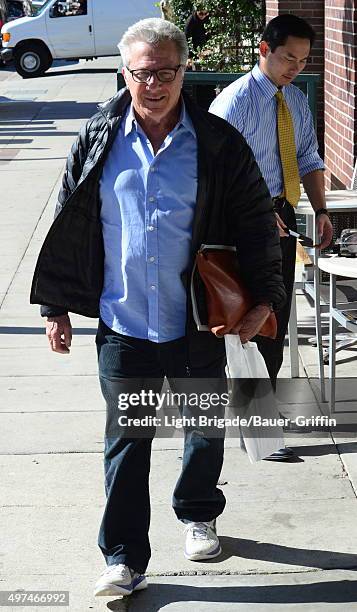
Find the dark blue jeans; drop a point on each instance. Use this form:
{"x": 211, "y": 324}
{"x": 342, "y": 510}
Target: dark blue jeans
{"x": 130, "y": 365}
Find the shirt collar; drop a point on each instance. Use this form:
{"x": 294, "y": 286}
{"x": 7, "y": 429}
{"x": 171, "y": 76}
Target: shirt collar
{"x": 185, "y": 119}
{"x": 130, "y": 122}
{"x": 266, "y": 86}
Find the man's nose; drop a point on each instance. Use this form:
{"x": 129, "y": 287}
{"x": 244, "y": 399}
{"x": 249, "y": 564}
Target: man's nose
{"x": 152, "y": 80}
{"x": 299, "y": 65}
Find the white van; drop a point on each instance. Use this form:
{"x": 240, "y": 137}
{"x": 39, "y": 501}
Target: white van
{"x": 68, "y": 29}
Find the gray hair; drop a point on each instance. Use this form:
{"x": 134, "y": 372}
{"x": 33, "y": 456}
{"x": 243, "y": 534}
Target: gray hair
{"x": 153, "y": 31}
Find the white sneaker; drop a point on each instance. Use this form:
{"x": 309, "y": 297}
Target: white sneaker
{"x": 119, "y": 579}
{"x": 201, "y": 541}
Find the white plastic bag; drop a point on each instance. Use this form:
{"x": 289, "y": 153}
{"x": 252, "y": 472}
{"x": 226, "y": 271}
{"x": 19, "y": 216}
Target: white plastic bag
{"x": 252, "y": 398}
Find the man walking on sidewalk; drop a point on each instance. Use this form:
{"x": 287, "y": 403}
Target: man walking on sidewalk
{"x": 149, "y": 179}
{"x": 274, "y": 117}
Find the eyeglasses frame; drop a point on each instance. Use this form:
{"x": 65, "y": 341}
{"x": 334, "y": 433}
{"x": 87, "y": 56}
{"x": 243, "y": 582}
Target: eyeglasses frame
{"x": 176, "y": 69}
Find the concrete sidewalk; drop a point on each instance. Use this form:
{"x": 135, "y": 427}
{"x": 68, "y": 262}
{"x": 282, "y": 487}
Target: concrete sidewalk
{"x": 289, "y": 530}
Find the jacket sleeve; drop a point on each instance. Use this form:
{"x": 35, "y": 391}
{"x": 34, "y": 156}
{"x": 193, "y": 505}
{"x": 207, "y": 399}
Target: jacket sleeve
{"x": 74, "y": 166}
{"x": 254, "y": 230}
{"x": 73, "y": 171}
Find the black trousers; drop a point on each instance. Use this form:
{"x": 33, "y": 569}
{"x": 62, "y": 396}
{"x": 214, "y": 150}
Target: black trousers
{"x": 273, "y": 350}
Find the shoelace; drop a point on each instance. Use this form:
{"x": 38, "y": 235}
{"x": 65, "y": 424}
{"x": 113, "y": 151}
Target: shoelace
{"x": 120, "y": 569}
{"x": 199, "y": 530}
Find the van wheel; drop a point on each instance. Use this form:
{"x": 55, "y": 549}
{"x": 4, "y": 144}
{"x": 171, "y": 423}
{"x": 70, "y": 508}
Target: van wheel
{"x": 32, "y": 60}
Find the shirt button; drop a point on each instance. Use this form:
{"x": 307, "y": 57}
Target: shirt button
{"x": 151, "y": 228}
{"x": 152, "y": 169}
{"x": 151, "y": 199}
{"x": 151, "y": 259}
{"x": 153, "y": 287}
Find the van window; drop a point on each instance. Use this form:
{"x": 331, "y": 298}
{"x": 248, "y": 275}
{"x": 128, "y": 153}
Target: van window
{"x": 14, "y": 10}
{"x": 37, "y": 10}
{"x": 69, "y": 8}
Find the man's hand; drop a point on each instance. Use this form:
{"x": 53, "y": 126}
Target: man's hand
{"x": 281, "y": 226}
{"x": 252, "y": 323}
{"x": 59, "y": 333}
{"x": 314, "y": 184}
{"x": 324, "y": 231}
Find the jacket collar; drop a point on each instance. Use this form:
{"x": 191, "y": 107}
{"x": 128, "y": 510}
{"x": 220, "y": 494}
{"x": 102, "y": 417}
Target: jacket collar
{"x": 115, "y": 107}
{"x": 208, "y": 135}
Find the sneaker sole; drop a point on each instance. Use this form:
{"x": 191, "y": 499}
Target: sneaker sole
{"x": 111, "y": 590}
{"x": 200, "y": 557}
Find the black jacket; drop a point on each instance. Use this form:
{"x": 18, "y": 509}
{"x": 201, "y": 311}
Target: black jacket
{"x": 233, "y": 207}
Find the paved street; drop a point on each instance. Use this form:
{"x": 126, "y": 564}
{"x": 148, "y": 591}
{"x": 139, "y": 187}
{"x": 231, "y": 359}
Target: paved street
{"x": 289, "y": 531}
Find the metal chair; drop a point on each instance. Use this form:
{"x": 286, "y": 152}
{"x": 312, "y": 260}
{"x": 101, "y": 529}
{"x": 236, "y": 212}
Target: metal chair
{"x": 342, "y": 206}
{"x": 340, "y": 221}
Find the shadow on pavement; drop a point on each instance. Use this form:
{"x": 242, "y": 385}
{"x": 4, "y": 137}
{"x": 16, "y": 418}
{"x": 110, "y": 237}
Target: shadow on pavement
{"x": 159, "y": 595}
{"x": 23, "y": 123}
{"x": 353, "y": 351}
{"x": 54, "y": 72}
{"x": 7, "y": 68}
{"x": 47, "y": 110}
{"x": 328, "y": 449}
{"x": 18, "y": 131}
{"x": 6, "y": 141}
{"x": 275, "y": 553}
{"x": 319, "y": 450}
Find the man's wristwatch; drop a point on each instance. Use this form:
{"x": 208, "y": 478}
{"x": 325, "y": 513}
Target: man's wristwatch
{"x": 321, "y": 211}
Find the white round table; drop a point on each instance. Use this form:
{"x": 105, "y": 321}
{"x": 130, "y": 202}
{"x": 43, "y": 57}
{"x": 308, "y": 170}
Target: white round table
{"x": 339, "y": 266}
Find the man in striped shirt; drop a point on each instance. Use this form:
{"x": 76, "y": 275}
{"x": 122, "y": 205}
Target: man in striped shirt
{"x": 250, "y": 105}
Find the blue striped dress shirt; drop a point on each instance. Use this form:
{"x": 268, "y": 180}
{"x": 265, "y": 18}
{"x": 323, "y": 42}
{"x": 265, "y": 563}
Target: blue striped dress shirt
{"x": 147, "y": 208}
{"x": 249, "y": 105}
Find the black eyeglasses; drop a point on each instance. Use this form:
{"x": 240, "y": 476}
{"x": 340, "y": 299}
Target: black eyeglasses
{"x": 164, "y": 75}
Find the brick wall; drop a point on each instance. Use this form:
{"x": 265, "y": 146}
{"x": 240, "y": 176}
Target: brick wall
{"x": 313, "y": 12}
{"x": 340, "y": 91}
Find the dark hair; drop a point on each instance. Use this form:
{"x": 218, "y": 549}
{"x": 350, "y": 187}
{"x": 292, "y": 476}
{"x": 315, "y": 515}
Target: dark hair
{"x": 278, "y": 29}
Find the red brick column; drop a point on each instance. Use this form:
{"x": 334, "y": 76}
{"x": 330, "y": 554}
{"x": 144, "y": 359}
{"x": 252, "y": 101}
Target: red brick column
{"x": 340, "y": 91}
{"x": 313, "y": 12}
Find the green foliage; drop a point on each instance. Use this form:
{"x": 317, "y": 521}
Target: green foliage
{"x": 182, "y": 10}
{"x": 234, "y": 32}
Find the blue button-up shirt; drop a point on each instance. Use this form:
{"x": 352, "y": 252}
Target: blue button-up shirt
{"x": 147, "y": 210}
{"x": 250, "y": 106}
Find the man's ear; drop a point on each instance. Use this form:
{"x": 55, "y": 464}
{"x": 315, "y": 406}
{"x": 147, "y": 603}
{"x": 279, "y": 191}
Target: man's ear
{"x": 123, "y": 71}
{"x": 264, "y": 48}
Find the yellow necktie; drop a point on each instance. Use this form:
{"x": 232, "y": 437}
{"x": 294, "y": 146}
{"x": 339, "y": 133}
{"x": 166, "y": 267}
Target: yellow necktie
{"x": 287, "y": 151}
